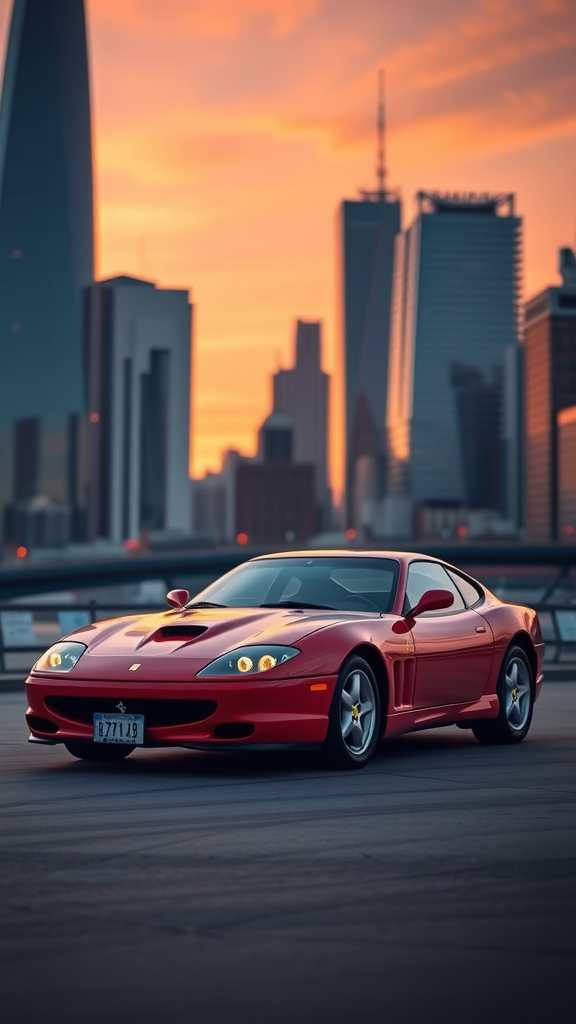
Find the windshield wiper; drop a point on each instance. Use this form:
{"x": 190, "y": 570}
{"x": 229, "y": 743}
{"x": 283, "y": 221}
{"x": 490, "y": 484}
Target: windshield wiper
{"x": 296, "y": 604}
{"x": 205, "y": 604}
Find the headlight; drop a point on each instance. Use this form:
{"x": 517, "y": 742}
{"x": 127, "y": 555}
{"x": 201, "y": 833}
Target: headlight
{"x": 250, "y": 660}
{"x": 61, "y": 657}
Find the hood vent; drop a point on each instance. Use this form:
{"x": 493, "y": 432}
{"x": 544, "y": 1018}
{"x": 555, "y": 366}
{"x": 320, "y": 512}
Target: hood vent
{"x": 180, "y": 632}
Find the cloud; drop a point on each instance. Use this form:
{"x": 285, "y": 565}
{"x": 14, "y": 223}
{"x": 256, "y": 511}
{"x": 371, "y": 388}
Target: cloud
{"x": 228, "y": 130}
{"x": 202, "y": 18}
{"x": 494, "y": 34}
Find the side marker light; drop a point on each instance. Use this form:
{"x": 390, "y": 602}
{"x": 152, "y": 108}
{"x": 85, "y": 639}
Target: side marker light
{"x": 319, "y": 686}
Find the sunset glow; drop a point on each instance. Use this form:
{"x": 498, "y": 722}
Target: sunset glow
{"x": 227, "y": 131}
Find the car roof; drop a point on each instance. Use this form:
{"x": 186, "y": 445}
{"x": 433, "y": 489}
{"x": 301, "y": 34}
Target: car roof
{"x": 399, "y": 556}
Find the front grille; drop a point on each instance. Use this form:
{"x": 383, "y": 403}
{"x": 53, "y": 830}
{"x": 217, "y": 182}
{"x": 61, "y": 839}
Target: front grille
{"x": 157, "y": 712}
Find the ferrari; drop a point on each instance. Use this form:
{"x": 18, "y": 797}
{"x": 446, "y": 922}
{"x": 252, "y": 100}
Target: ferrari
{"x": 336, "y": 649}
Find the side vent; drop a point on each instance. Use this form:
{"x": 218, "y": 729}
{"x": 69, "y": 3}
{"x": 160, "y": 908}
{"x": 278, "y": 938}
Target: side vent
{"x": 404, "y": 670}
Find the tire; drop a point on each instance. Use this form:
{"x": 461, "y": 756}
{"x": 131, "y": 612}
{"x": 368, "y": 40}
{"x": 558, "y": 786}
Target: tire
{"x": 86, "y": 750}
{"x": 515, "y": 692}
{"x": 354, "y": 720}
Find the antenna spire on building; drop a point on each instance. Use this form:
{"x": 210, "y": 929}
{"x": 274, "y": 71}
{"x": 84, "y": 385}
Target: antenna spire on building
{"x": 381, "y": 166}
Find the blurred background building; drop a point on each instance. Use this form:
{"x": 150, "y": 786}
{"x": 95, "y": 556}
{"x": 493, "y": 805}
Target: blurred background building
{"x": 455, "y": 322}
{"x": 302, "y": 394}
{"x": 139, "y": 345}
{"x": 282, "y": 494}
{"x": 275, "y": 497}
{"x": 367, "y": 228}
{"x": 566, "y": 433}
{"x": 550, "y": 387}
{"x": 46, "y": 260}
{"x": 214, "y": 501}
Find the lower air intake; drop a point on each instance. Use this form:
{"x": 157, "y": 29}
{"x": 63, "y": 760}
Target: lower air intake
{"x": 158, "y": 713}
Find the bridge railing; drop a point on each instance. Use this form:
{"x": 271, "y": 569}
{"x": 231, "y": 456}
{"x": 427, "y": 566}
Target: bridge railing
{"x": 27, "y": 630}
{"x": 40, "y": 603}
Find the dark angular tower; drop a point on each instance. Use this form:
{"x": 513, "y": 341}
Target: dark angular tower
{"x": 46, "y": 260}
{"x": 367, "y": 230}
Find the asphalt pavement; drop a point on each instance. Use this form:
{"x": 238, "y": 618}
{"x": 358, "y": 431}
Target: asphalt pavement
{"x": 436, "y": 885}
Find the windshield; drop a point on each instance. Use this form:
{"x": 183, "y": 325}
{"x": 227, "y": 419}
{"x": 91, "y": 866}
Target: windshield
{"x": 340, "y": 584}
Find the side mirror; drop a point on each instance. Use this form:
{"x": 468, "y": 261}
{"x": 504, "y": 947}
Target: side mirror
{"x": 431, "y": 601}
{"x": 178, "y": 598}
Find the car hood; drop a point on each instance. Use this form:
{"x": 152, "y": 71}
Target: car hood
{"x": 176, "y": 645}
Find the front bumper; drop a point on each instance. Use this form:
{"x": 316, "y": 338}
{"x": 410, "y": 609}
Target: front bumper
{"x": 222, "y": 712}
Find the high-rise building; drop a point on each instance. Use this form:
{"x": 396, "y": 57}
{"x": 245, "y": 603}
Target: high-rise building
{"x": 46, "y": 260}
{"x": 302, "y": 394}
{"x": 139, "y": 343}
{"x": 367, "y": 229}
{"x": 550, "y": 386}
{"x": 454, "y": 326}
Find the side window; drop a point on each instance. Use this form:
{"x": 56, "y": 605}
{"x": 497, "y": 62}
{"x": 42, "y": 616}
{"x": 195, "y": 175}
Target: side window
{"x": 423, "y": 576}
{"x": 471, "y": 594}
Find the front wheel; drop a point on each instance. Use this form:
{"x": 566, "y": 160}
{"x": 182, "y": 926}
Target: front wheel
{"x": 515, "y": 693}
{"x": 354, "y": 723}
{"x": 86, "y": 750}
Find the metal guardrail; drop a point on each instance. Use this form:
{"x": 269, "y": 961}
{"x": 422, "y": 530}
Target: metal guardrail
{"x": 16, "y": 622}
{"x": 28, "y": 580}
{"x": 56, "y": 618}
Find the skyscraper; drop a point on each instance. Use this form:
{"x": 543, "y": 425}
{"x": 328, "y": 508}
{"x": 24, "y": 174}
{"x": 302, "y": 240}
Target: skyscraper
{"x": 46, "y": 259}
{"x": 301, "y": 393}
{"x": 455, "y": 318}
{"x": 139, "y": 344}
{"x": 550, "y": 386}
{"x": 367, "y": 229}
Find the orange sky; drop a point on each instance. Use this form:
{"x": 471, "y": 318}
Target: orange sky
{"x": 227, "y": 131}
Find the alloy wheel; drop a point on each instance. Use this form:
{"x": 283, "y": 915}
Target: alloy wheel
{"x": 357, "y": 712}
{"x": 517, "y": 694}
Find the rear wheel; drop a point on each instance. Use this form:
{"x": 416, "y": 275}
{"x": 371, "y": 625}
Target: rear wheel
{"x": 354, "y": 725}
{"x": 515, "y": 693}
{"x": 86, "y": 750}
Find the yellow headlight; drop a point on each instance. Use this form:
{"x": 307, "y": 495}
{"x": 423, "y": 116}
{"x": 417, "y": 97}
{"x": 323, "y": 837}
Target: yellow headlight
{"x": 244, "y": 664}
{"x": 55, "y": 659}
{"x": 266, "y": 662}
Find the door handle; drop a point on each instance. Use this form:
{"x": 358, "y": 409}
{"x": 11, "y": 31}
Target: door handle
{"x": 480, "y": 629}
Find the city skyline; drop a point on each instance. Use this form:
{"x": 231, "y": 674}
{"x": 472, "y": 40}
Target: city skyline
{"x": 223, "y": 174}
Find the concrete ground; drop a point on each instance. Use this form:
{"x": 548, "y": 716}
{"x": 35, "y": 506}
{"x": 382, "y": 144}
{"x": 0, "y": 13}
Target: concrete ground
{"x": 437, "y": 885}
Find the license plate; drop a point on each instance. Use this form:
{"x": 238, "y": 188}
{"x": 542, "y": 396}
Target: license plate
{"x": 119, "y": 729}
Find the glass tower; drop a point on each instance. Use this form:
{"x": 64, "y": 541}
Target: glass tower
{"x": 455, "y": 317}
{"x": 550, "y": 345}
{"x": 368, "y": 228}
{"x": 139, "y": 344}
{"x": 46, "y": 260}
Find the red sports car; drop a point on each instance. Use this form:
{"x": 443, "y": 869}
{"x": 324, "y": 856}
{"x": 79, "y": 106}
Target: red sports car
{"x": 339, "y": 648}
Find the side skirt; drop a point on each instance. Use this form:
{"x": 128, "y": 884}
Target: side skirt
{"x": 449, "y": 714}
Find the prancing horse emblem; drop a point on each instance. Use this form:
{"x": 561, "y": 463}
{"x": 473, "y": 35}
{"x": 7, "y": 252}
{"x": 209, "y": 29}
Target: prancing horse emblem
{"x": 121, "y": 706}
{"x": 135, "y": 666}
